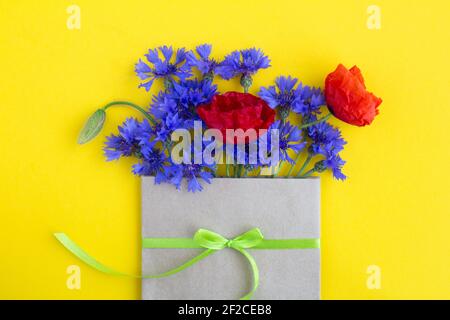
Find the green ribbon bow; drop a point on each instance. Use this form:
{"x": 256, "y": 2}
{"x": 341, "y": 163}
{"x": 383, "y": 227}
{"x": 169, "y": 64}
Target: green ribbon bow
{"x": 214, "y": 241}
{"x": 206, "y": 239}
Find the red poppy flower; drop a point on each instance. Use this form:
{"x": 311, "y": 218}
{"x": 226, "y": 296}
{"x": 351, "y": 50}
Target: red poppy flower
{"x": 347, "y": 97}
{"x": 235, "y": 110}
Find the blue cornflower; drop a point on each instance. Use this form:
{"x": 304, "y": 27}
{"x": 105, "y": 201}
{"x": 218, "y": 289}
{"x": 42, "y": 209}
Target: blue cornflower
{"x": 243, "y": 63}
{"x": 164, "y": 128}
{"x": 203, "y": 62}
{"x": 309, "y": 100}
{"x": 254, "y": 154}
{"x": 162, "y": 104}
{"x": 154, "y": 163}
{"x": 166, "y": 69}
{"x": 334, "y": 163}
{"x": 285, "y": 95}
{"x": 303, "y": 100}
{"x": 290, "y": 138}
{"x": 181, "y": 100}
{"x": 191, "y": 171}
{"x": 326, "y": 139}
{"x": 132, "y": 136}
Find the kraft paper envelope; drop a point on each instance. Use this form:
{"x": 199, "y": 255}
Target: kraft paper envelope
{"x": 281, "y": 208}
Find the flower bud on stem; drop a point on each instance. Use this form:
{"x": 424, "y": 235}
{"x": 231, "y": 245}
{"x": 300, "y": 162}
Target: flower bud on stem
{"x": 168, "y": 83}
{"x": 319, "y": 167}
{"x": 246, "y": 82}
{"x": 134, "y": 106}
{"x": 283, "y": 111}
{"x": 96, "y": 121}
{"x": 209, "y": 76}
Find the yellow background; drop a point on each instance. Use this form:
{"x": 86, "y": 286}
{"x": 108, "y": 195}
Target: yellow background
{"x": 392, "y": 212}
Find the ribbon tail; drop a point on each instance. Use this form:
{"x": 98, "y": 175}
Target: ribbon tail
{"x": 255, "y": 272}
{"x": 90, "y": 261}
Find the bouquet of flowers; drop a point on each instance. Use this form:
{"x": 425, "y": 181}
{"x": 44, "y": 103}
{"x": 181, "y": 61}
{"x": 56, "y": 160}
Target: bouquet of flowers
{"x": 192, "y": 132}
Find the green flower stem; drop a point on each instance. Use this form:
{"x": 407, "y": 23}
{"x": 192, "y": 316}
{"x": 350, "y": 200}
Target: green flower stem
{"x": 227, "y": 166}
{"x": 305, "y": 164}
{"x": 308, "y": 173}
{"x": 293, "y": 164}
{"x": 325, "y": 118}
{"x": 132, "y": 105}
{"x": 277, "y": 169}
{"x": 308, "y": 159}
{"x": 240, "y": 168}
{"x": 237, "y": 170}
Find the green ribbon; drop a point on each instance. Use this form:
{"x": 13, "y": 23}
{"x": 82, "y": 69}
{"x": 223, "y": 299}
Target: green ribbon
{"x": 203, "y": 239}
